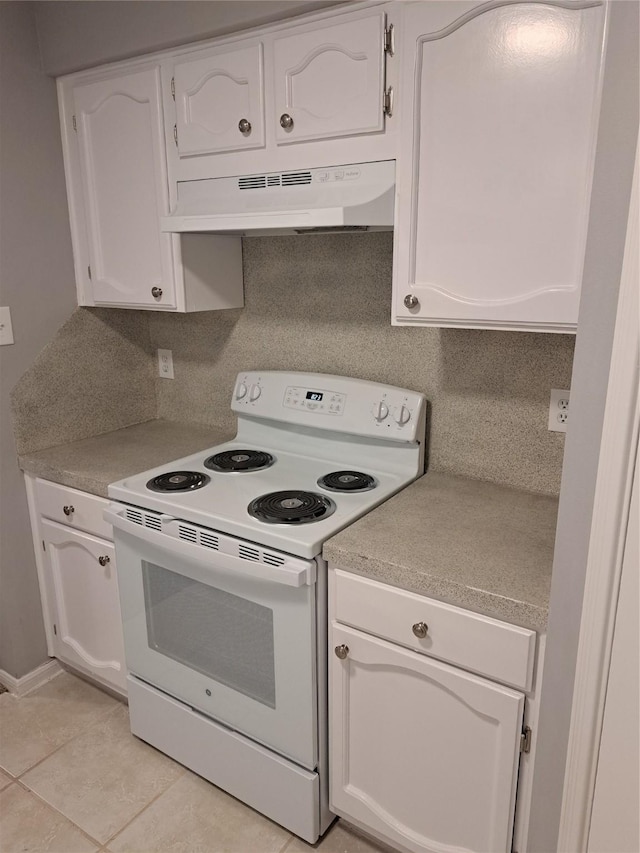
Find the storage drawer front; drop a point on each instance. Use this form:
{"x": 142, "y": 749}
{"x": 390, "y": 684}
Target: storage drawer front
{"x": 475, "y": 642}
{"x": 84, "y": 511}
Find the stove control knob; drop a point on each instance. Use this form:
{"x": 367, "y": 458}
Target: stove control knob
{"x": 380, "y": 411}
{"x": 255, "y": 392}
{"x": 401, "y": 415}
{"x": 241, "y": 391}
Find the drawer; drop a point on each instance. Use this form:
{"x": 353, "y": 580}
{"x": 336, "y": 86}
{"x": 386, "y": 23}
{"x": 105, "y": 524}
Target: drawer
{"x": 486, "y": 646}
{"x": 84, "y": 511}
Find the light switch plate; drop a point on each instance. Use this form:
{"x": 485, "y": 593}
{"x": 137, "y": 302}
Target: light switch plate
{"x": 6, "y": 329}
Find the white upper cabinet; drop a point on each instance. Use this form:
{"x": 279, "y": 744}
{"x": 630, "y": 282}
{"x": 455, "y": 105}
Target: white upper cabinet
{"x": 237, "y": 107}
{"x": 329, "y": 79}
{"x": 499, "y": 120}
{"x": 219, "y": 97}
{"x": 120, "y": 134}
{"x": 117, "y": 186}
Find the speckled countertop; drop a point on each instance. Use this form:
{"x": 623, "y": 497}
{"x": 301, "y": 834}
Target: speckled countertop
{"x": 92, "y": 463}
{"x": 478, "y": 545}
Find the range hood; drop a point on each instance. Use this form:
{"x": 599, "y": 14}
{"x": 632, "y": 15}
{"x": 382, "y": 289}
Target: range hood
{"x": 358, "y": 196}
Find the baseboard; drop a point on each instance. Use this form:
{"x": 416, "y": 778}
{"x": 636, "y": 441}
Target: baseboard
{"x": 36, "y": 678}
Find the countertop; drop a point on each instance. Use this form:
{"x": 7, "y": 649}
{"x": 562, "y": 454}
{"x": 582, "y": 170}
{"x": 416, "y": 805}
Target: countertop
{"x": 91, "y": 464}
{"x": 478, "y": 545}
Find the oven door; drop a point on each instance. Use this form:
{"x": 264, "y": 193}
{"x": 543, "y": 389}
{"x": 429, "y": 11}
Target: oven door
{"x": 226, "y": 627}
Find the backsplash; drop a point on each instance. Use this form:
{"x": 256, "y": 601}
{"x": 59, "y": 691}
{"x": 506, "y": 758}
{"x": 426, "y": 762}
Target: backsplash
{"x": 322, "y": 303}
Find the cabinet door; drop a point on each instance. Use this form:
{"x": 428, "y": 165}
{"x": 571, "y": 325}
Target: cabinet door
{"x": 123, "y": 174}
{"x": 329, "y": 79}
{"x": 495, "y": 169}
{"x": 219, "y": 101}
{"x": 84, "y": 588}
{"x": 422, "y": 754}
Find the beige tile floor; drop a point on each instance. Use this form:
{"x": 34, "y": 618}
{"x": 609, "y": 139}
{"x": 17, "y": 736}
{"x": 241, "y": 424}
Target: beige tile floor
{"x": 74, "y": 780}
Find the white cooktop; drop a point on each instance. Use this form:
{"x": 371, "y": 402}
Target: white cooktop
{"x": 313, "y": 425}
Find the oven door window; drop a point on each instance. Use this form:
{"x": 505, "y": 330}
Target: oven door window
{"x": 223, "y": 636}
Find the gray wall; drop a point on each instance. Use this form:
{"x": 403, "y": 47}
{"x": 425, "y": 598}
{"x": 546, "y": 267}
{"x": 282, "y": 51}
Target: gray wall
{"x": 615, "y": 157}
{"x": 77, "y": 34}
{"x": 37, "y": 282}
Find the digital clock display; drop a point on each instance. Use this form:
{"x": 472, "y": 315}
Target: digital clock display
{"x": 316, "y": 396}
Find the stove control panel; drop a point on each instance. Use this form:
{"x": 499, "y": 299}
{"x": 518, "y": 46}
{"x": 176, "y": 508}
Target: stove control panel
{"x": 337, "y": 403}
{"x": 314, "y": 400}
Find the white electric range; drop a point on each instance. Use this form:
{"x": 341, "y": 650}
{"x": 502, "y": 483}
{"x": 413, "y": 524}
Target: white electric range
{"x": 223, "y": 586}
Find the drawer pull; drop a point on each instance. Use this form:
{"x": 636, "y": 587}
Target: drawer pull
{"x": 68, "y": 510}
{"x": 342, "y": 651}
{"x": 420, "y": 630}
{"x": 104, "y": 560}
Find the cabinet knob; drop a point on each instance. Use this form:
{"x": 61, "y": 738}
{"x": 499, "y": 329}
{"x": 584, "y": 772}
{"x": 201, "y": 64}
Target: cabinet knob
{"x": 341, "y": 651}
{"x": 411, "y": 301}
{"x": 244, "y": 126}
{"x": 68, "y": 510}
{"x": 104, "y": 560}
{"x": 156, "y": 292}
{"x": 420, "y": 630}
{"x": 286, "y": 121}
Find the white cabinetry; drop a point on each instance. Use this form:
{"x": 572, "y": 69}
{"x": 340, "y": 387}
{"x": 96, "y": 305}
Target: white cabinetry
{"x": 500, "y": 103}
{"x": 320, "y": 83}
{"x": 78, "y": 581}
{"x": 329, "y": 79}
{"x": 219, "y": 97}
{"x": 423, "y": 754}
{"x": 115, "y": 163}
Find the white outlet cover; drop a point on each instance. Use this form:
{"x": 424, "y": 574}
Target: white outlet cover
{"x": 165, "y": 363}
{"x": 558, "y": 410}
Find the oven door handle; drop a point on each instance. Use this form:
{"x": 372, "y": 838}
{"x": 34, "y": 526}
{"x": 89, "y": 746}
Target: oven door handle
{"x": 291, "y": 575}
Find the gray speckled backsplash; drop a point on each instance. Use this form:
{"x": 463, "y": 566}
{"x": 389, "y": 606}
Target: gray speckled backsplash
{"x": 323, "y": 303}
{"x": 95, "y": 376}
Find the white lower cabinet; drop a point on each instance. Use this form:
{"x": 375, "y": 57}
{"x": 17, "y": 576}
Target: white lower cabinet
{"x": 78, "y": 582}
{"x": 423, "y": 755}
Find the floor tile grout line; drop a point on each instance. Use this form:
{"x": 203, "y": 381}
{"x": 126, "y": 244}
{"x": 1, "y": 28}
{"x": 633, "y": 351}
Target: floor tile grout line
{"x": 145, "y": 807}
{"x": 57, "y": 811}
{"x": 66, "y": 742}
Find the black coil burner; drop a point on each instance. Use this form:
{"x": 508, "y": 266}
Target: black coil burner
{"x": 178, "y": 481}
{"x": 292, "y": 507}
{"x": 239, "y": 460}
{"x": 347, "y": 481}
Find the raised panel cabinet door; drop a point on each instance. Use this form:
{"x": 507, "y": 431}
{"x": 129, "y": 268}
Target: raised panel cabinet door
{"x": 329, "y": 80}
{"x": 421, "y": 753}
{"x": 124, "y": 180}
{"x": 88, "y": 628}
{"x": 220, "y": 101}
{"x": 496, "y": 154}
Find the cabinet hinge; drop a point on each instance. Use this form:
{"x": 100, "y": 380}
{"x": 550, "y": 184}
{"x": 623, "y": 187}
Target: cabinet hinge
{"x": 389, "y": 40}
{"x": 75, "y": 123}
{"x": 525, "y": 739}
{"x": 89, "y": 272}
{"x": 55, "y": 629}
{"x": 175, "y": 133}
{"x": 173, "y": 88}
{"x": 387, "y": 102}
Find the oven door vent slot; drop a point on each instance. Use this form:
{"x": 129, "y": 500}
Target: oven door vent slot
{"x": 135, "y": 516}
{"x": 272, "y": 559}
{"x": 249, "y": 553}
{"x": 188, "y": 533}
{"x": 209, "y": 541}
{"x": 153, "y": 521}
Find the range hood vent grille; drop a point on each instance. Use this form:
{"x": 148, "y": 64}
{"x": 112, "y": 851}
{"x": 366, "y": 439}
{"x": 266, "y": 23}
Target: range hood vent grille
{"x": 286, "y": 179}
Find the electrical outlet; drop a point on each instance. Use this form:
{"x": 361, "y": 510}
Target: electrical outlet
{"x": 165, "y": 363}
{"x": 558, "y": 410}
